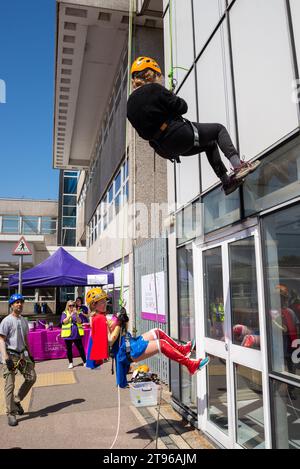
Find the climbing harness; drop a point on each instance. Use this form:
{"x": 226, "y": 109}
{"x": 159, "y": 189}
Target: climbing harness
{"x": 196, "y": 133}
{"x": 22, "y": 362}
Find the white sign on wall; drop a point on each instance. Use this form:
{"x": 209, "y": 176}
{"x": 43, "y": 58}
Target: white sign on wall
{"x": 99, "y": 279}
{"x": 153, "y": 302}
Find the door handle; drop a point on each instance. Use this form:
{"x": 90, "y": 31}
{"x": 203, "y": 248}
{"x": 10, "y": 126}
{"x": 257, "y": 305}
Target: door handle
{"x": 226, "y": 347}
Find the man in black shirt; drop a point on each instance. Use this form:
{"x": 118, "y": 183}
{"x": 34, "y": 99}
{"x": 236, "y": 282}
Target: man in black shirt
{"x": 156, "y": 114}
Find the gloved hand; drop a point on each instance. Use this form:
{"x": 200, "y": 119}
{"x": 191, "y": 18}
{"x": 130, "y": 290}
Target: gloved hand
{"x": 10, "y": 364}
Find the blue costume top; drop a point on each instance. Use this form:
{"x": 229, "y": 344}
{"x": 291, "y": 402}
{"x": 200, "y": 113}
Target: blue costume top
{"x": 137, "y": 347}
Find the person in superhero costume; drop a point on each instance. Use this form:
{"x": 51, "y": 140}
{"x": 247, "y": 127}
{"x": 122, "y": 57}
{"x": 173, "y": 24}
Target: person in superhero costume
{"x": 128, "y": 349}
{"x": 98, "y": 342}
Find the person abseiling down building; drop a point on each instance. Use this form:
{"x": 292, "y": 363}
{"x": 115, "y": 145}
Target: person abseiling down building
{"x": 156, "y": 114}
{"x": 128, "y": 349}
{"x": 15, "y": 354}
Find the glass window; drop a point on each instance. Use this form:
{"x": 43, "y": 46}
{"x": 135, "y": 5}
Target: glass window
{"x": 30, "y": 225}
{"x": 282, "y": 273}
{"x": 69, "y": 222}
{"x": 46, "y": 294}
{"x": 118, "y": 202}
{"x": 10, "y": 224}
{"x": 249, "y": 405}
{"x": 244, "y": 302}
{"x": 286, "y": 415}
{"x": 188, "y": 389}
{"x": 276, "y": 180}
{"x": 4, "y": 294}
{"x": 188, "y": 222}
{"x": 126, "y": 192}
{"x": 213, "y": 294}
{"x": 29, "y": 294}
{"x": 186, "y": 308}
{"x": 105, "y": 221}
{"x": 110, "y": 194}
{"x": 48, "y": 225}
{"x": 69, "y": 237}
{"x": 217, "y": 393}
{"x": 126, "y": 169}
{"x": 69, "y": 211}
{"x": 220, "y": 210}
{"x": 66, "y": 294}
{"x": 69, "y": 200}
{"x": 117, "y": 182}
{"x": 70, "y": 185}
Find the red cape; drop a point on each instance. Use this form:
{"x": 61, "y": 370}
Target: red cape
{"x": 99, "y": 349}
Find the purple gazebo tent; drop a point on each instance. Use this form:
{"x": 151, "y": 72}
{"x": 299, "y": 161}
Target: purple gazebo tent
{"x": 62, "y": 270}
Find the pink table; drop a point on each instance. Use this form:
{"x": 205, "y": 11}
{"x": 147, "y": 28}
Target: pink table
{"x": 47, "y": 344}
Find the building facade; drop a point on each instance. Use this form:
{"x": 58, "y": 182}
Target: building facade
{"x": 230, "y": 264}
{"x": 67, "y": 208}
{"x": 36, "y": 220}
{"x": 236, "y": 276}
{"x": 119, "y": 177}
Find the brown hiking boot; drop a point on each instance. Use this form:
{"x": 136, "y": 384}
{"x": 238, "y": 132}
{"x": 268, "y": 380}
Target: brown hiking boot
{"x": 231, "y": 185}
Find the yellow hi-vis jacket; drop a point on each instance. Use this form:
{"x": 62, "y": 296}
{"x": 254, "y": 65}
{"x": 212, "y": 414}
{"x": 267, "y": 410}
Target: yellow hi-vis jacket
{"x": 66, "y": 329}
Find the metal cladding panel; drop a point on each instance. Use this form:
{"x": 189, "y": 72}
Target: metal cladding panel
{"x": 151, "y": 257}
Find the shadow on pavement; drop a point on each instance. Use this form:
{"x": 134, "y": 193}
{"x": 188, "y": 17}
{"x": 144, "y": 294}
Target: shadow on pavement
{"x": 163, "y": 430}
{"x": 50, "y": 409}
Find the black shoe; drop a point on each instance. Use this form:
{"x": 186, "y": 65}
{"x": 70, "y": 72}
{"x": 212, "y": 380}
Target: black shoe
{"x": 12, "y": 421}
{"x": 20, "y": 409}
{"x": 231, "y": 185}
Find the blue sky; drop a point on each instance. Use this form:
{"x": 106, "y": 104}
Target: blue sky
{"x": 27, "y": 47}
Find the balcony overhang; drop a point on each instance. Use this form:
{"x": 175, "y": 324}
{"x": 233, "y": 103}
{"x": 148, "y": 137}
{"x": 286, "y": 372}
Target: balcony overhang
{"x": 150, "y": 8}
{"x": 91, "y": 36}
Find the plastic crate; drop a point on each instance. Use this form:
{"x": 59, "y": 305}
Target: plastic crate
{"x": 143, "y": 394}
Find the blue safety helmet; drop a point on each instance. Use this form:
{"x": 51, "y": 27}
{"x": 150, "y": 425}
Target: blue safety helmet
{"x": 15, "y": 297}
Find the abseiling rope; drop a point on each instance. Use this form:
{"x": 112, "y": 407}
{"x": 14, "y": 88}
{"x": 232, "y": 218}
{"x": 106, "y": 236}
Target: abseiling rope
{"x": 171, "y": 87}
{"x": 121, "y": 299}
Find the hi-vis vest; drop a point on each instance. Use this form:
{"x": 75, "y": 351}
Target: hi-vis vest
{"x": 218, "y": 311}
{"x": 66, "y": 329}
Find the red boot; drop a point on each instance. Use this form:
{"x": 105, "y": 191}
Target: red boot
{"x": 184, "y": 349}
{"x": 173, "y": 354}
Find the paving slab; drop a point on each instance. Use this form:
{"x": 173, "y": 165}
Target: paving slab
{"x": 78, "y": 408}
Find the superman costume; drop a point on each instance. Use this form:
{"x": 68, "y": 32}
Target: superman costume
{"x": 98, "y": 343}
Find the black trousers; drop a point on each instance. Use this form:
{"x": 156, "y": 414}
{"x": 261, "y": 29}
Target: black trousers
{"x": 178, "y": 140}
{"x": 79, "y": 346}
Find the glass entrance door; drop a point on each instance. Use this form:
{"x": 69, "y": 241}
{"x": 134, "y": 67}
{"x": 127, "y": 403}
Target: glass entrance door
{"x": 229, "y": 323}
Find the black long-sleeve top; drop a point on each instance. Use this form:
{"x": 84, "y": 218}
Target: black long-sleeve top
{"x": 150, "y": 105}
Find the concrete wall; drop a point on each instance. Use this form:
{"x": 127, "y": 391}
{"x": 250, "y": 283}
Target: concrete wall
{"x": 80, "y": 223}
{"x": 109, "y": 4}
{"x": 45, "y": 208}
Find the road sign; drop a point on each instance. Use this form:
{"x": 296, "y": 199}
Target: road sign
{"x": 22, "y": 248}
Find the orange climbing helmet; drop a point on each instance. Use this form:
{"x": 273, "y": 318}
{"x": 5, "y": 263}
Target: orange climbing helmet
{"x": 142, "y": 369}
{"x": 142, "y": 63}
{"x": 282, "y": 290}
{"x": 95, "y": 294}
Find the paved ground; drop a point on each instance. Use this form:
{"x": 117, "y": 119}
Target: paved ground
{"x": 79, "y": 409}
